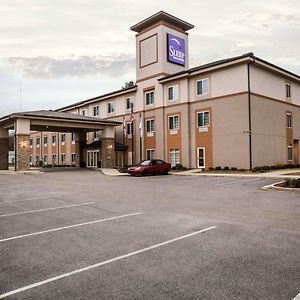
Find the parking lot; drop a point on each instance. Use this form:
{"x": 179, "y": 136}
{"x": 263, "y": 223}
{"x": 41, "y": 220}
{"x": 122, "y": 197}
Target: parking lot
{"x": 82, "y": 235}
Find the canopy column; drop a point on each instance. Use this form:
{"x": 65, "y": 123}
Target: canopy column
{"x": 22, "y": 141}
{"x": 108, "y": 147}
{"x": 3, "y": 149}
{"x": 80, "y": 145}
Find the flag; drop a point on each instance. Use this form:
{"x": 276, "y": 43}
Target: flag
{"x": 124, "y": 126}
{"x": 131, "y": 116}
{"x": 141, "y": 125}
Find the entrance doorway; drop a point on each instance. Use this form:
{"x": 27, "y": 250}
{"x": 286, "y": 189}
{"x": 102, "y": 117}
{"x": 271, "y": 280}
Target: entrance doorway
{"x": 296, "y": 152}
{"x": 93, "y": 157}
{"x": 201, "y": 158}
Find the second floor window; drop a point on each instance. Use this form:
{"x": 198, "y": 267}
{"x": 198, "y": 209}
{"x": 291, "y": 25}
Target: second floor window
{"x": 289, "y": 120}
{"x": 129, "y": 103}
{"x": 174, "y": 122}
{"x": 149, "y": 98}
{"x": 202, "y": 87}
{"x": 150, "y": 126}
{"x": 45, "y": 140}
{"x": 129, "y": 128}
{"x": 53, "y": 139}
{"x": 38, "y": 141}
{"x": 203, "y": 119}
{"x": 63, "y": 138}
{"x": 173, "y": 93}
{"x": 96, "y": 110}
{"x": 288, "y": 90}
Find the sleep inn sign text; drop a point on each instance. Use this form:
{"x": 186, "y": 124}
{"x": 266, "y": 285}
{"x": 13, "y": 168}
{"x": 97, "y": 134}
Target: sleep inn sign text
{"x": 176, "y": 50}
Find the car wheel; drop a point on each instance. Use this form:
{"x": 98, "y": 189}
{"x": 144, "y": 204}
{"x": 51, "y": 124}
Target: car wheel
{"x": 166, "y": 172}
{"x": 145, "y": 172}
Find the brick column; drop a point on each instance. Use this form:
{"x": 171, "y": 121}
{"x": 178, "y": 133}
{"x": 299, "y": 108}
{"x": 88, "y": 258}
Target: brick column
{"x": 80, "y": 144}
{"x": 22, "y": 141}
{"x": 3, "y": 149}
{"x": 22, "y": 150}
{"x": 108, "y": 147}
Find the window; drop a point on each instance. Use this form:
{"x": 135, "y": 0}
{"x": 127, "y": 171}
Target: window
{"x": 73, "y": 157}
{"x": 202, "y": 87}
{"x": 96, "y": 110}
{"x": 174, "y": 122}
{"x": 289, "y": 120}
{"x": 37, "y": 158}
{"x": 63, "y": 158}
{"x": 288, "y": 90}
{"x": 150, "y": 126}
{"x": 201, "y": 157}
{"x": 203, "y": 119}
{"x": 150, "y": 154}
{"x": 30, "y": 159}
{"x": 173, "y": 93}
{"x": 53, "y": 140}
{"x": 63, "y": 138}
{"x": 174, "y": 157}
{"x": 129, "y": 103}
{"x": 290, "y": 153}
{"x": 110, "y": 107}
{"x": 129, "y": 128}
{"x": 45, "y": 158}
{"x": 45, "y": 140}
{"x": 149, "y": 98}
{"x": 38, "y": 142}
{"x": 96, "y": 135}
{"x": 53, "y": 158}
{"x": 30, "y": 143}
{"x": 73, "y": 138}
{"x": 83, "y": 112}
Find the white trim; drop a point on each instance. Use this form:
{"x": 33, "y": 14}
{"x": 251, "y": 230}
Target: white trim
{"x": 175, "y": 92}
{"x": 289, "y": 114}
{"x": 203, "y": 94}
{"x": 147, "y": 93}
{"x": 174, "y": 129}
{"x": 204, "y": 111}
{"x": 289, "y": 147}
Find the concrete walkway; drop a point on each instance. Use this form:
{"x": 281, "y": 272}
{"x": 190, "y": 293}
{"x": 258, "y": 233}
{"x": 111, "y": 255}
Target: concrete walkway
{"x": 112, "y": 172}
{"x": 283, "y": 173}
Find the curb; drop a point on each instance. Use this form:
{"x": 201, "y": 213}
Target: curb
{"x": 273, "y": 187}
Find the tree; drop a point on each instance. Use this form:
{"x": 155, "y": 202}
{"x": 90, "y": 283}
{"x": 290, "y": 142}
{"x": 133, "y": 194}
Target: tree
{"x": 128, "y": 84}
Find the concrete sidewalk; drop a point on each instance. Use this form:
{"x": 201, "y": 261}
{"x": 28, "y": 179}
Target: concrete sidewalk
{"x": 112, "y": 172}
{"x": 283, "y": 173}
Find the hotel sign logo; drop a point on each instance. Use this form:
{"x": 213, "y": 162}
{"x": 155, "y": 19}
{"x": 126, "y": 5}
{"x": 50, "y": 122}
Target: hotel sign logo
{"x": 176, "y": 49}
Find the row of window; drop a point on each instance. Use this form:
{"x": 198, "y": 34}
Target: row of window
{"x": 45, "y": 158}
{"x": 203, "y": 120}
{"x": 53, "y": 139}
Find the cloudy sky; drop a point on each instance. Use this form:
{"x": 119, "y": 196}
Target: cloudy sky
{"x": 62, "y": 51}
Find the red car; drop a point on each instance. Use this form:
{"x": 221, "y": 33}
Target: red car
{"x": 150, "y": 167}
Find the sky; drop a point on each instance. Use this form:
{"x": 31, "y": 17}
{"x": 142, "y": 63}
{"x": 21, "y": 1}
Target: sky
{"x": 54, "y": 53}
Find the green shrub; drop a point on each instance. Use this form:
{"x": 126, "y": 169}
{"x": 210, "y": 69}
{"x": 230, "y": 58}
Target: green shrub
{"x": 179, "y": 167}
{"x": 211, "y": 169}
{"x": 226, "y": 168}
{"x": 292, "y": 183}
{"x": 233, "y": 168}
{"x": 218, "y": 168}
{"x": 257, "y": 169}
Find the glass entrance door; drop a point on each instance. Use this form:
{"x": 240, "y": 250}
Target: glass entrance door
{"x": 92, "y": 158}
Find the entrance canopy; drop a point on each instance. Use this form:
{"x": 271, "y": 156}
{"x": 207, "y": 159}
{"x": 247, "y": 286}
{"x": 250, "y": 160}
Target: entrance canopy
{"x": 46, "y": 120}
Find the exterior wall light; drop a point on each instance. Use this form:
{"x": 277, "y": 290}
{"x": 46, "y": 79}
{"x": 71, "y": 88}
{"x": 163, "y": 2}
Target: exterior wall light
{"x": 110, "y": 146}
{"x": 24, "y": 144}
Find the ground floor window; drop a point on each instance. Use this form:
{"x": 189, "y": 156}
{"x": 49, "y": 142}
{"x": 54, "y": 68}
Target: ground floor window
{"x": 201, "y": 158}
{"x": 53, "y": 158}
{"x": 73, "y": 157}
{"x": 45, "y": 158}
{"x": 150, "y": 154}
{"x": 174, "y": 157}
{"x": 290, "y": 153}
{"x": 31, "y": 160}
{"x": 129, "y": 158}
{"x": 93, "y": 158}
{"x": 63, "y": 158}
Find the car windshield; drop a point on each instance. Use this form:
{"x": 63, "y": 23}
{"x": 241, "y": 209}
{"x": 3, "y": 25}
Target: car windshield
{"x": 145, "y": 163}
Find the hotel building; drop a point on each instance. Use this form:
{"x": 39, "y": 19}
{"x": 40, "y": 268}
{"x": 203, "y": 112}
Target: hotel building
{"x": 239, "y": 112}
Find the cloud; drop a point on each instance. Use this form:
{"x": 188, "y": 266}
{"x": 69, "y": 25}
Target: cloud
{"x": 45, "y": 67}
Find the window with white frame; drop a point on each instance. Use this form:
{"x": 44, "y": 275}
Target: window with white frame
{"x": 150, "y": 154}
{"x": 63, "y": 158}
{"x": 203, "y": 118}
{"x": 201, "y": 157}
{"x": 289, "y": 120}
{"x": 202, "y": 87}
{"x": 150, "y": 126}
{"x": 290, "y": 153}
{"x": 45, "y": 141}
{"x": 31, "y": 142}
{"x": 45, "y": 158}
{"x": 73, "y": 157}
{"x": 129, "y": 129}
{"x": 53, "y": 158}
{"x": 73, "y": 137}
{"x": 96, "y": 135}
{"x": 174, "y": 157}
{"x": 63, "y": 138}
{"x": 288, "y": 90}
{"x": 96, "y": 110}
{"x": 174, "y": 122}
{"x": 110, "y": 107}
{"x": 83, "y": 112}
{"x": 30, "y": 159}
{"x": 129, "y": 103}
{"x": 53, "y": 140}
{"x": 173, "y": 93}
{"x": 149, "y": 98}
{"x": 38, "y": 142}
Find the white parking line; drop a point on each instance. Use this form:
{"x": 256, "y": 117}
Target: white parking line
{"x": 67, "y": 227}
{"x": 46, "y": 209}
{"x": 238, "y": 181}
{"x": 297, "y": 297}
{"x": 29, "y": 199}
{"x": 31, "y": 286}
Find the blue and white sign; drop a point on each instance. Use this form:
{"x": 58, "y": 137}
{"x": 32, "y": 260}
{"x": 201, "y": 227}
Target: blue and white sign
{"x": 176, "y": 50}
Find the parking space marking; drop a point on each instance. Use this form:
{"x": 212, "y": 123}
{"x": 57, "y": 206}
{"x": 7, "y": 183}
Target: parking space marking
{"x": 34, "y": 285}
{"x": 46, "y": 209}
{"x": 68, "y": 227}
{"x": 297, "y": 297}
{"x": 238, "y": 181}
{"x": 29, "y": 199}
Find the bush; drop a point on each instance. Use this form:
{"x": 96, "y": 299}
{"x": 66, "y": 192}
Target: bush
{"x": 226, "y": 168}
{"x": 39, "y": 163}
{"x": 210, "y": 169}
{"x": 218, "y": 168}
{"x": 179, "y": 167}
{"x": 233, "y": 168}
{"x": 292, "y": 183}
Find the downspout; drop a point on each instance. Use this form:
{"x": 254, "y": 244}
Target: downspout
{"x": 249, "y": 111}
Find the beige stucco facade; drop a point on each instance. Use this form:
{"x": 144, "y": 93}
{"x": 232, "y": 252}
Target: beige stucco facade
{"x": 245, "y": 103}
